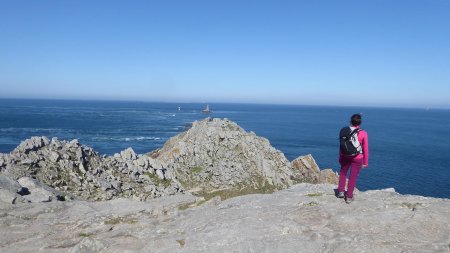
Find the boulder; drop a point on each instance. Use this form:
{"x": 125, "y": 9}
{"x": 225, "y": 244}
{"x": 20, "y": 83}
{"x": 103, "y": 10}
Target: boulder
{"x": 306, "y": 169}
{"x": 328, "y": 176}
{"x": 9, "y": 184}
{"x": 39, "y": 192}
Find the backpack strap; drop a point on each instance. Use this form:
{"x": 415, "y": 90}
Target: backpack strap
{"x": 356, "y": 130}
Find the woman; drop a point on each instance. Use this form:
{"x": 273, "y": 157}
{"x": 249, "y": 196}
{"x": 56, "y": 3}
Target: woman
{"x": 354, "y": 161}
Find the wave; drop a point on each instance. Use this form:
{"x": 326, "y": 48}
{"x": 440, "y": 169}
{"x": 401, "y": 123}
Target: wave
{"x": 138, "y": 138}
{"x": 141, "y": 138}
{"x": 33, "y": 130}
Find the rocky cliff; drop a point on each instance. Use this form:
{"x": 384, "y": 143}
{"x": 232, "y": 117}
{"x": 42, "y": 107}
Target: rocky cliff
{"x": 179, "y": 199}
{"x": 77, "y": 171}
{"x": 213, "y": 157}
{"x": 217, "y": 155}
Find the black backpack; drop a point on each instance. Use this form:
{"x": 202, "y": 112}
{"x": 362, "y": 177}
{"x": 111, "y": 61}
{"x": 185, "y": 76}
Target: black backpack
{"x": 348, "y": 141}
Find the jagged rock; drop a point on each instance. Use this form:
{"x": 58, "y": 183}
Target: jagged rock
{"x": 328, "y": 176}
{"x": 160, "y": 174}
{"x": 73, "y": 144}
{"x": 54, "y": 156}
{"x": 307, "y": 169}
{"x": 32, "y": 144}
{"x": 128, "y": 154}
{"x": 218, "y": 154}
{"x": 104, "y": 184}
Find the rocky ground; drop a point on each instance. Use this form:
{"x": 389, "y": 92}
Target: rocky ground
{"x": 302, "y": 218}
{"x": 62, "y": 196}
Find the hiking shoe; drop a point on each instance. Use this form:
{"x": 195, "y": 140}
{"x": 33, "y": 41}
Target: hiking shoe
{"x": 348, "y": 200}
{"x": 341, "y": 195}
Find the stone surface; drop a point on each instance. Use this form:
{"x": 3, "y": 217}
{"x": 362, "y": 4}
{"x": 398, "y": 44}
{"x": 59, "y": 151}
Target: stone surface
{"x": 328, "y": 176}
{"x": 39, "y": 192}
{"x": 302, "y": 218}
{"x": 10, "y": 191}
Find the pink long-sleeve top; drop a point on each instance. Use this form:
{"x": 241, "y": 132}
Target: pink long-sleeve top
{"x": 363, "y": 139}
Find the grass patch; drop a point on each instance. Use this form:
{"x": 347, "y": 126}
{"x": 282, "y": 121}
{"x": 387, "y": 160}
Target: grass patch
{"x": 182, "y": 242}
{"x": 197, "y": 170}
{"x": 317, "y": 194}
{"x": 234, "y": 192}
{"x": 185, "y": 206}
{"x": 312, "y": 203}
{"x": 85, "y": 234}
{"x": 158, "y": 181}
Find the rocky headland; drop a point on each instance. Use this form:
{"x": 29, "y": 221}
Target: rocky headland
{"x": 201, "y": 192}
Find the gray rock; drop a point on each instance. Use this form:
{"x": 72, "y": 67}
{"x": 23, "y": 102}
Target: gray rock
{"x": 128, "y": 154}
{"x": 54, "y": 156}
{"x": 306, "y": 169}
{"x": 39, "y": 192}
{"x": 160, "y": 174}
{"x": 74, "y": 143}
{"x": 32, "y": 144}
{"x": 9, "y": 184}
{"x": 104, "y": 184}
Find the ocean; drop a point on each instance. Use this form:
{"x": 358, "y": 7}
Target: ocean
{"x": 409, "y": 148}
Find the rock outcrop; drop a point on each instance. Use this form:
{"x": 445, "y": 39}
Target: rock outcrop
{"x": 302, "y": 218}
{"x": 214, "y": 157}
{"x": 217, "y": 155}
{"x": 80, "y": 172}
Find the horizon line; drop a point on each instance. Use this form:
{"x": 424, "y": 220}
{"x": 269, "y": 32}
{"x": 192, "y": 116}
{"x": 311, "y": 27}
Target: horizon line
{"x": 225, "y": 102}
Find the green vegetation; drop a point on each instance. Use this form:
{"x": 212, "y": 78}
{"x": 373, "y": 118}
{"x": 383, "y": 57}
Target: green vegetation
{"x": 185, "y": 206}
{"x": 158, "y": 181}
{"x": 263, "y": 187}
{"x": 197, "y": 170}
{"x": 182, "y": 242}
{"x": 191, "y": 204}
{"x": 312, "y": 203}
{"x": 85, "y": 234}
{"x": 317, "y": 194}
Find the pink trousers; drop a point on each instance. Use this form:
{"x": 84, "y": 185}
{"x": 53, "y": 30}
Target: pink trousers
{"x": 354, "y": 164}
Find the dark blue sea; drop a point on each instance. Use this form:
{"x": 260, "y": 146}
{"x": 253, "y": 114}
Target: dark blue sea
{"x": 409, "y": 148}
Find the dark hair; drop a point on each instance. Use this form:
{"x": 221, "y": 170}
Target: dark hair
{"x": 356, "y": 119}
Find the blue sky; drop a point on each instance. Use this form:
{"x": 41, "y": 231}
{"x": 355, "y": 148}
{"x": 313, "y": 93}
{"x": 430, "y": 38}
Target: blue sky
{"x": 372, "y": 53}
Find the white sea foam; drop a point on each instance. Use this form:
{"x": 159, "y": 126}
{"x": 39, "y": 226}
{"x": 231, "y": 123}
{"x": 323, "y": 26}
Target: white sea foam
{"x": 27, "y": 129}
{"x": 139, "y": 138}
